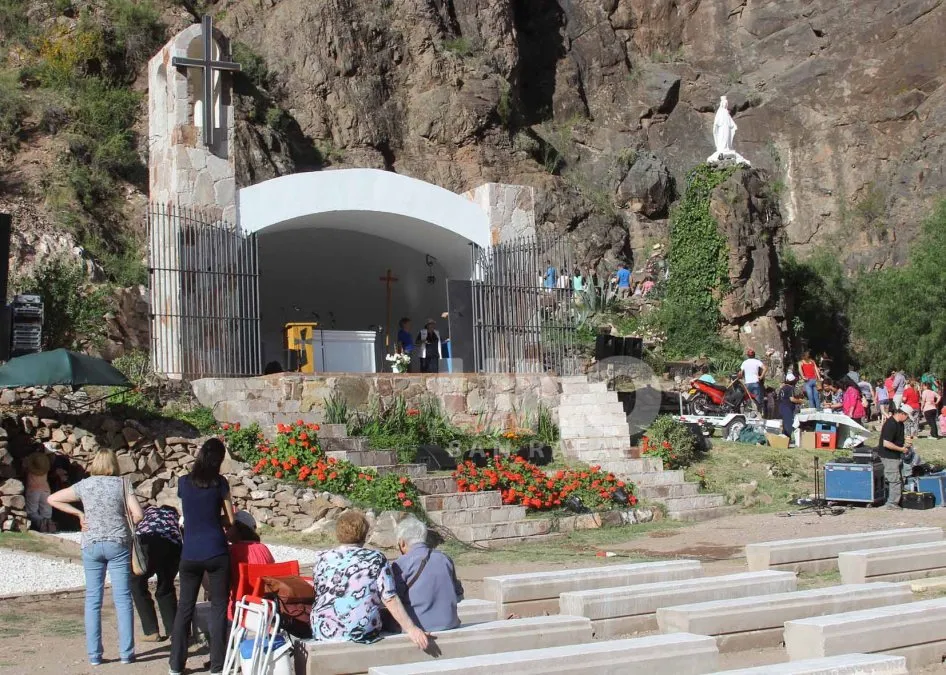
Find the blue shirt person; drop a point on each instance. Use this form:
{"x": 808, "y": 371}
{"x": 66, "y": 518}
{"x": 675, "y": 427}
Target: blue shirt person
{"x": 624, "y": 277}
{"x": 425, "y": 579}
{"x": 404, "y": 337}
{"x": 551, "y": 275}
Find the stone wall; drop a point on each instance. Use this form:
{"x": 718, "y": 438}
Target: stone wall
{"x": 154, "y": 461}
{"x": 467, "y": 399}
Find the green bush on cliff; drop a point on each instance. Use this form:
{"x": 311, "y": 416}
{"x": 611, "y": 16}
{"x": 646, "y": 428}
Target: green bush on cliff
{"x": 699, "y": 271}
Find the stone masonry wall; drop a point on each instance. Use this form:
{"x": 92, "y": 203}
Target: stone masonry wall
{"x": 468, "y": 399}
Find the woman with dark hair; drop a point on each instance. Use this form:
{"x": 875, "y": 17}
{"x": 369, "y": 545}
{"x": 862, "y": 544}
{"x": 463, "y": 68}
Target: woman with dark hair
{"x": 205, "y": 501}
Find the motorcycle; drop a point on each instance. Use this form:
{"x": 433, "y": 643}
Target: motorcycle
{"x": 716, "y": 400}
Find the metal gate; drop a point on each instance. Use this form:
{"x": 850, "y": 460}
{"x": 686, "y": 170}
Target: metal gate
{"x": 205, "y": 313}
{"x": 523, "y": 318}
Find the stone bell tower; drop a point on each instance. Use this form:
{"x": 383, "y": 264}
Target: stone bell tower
{"x": 190, "y": 136}
{"x": 192, "y": 204}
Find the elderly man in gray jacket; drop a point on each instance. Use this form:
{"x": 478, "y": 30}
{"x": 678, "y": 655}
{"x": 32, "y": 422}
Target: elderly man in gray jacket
{"x": 426, "y": 579}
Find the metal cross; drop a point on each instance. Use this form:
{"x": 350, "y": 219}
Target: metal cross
{"x": 208, "y": 66}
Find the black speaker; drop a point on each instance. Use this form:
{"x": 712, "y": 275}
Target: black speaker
{"x": 634, "y": 347}
{"x": 435, "y": 458}
{"x": 480, "y": 457}
{"x": 540, "y": 455}
{"x": 604, "y": 346}
{"x": 6, "y": 223}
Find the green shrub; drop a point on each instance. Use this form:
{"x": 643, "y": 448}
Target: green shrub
{"x": 14, "y": 23}
{"x": 899, "y": 314}
{"x": 201, "y": 418}
{"x": 252, "y": 65}
{"x": 13, "y": 109}
{"x": 74, "y": 311}
{"x": 460, "y": 46}
{"x": 336, "y": 410}
{"x": 243, "y": 442}
{"x": 136, "y": 366}
{"x": 671, "y": 441}
{"x": 698, "y": 258}
{"x": 137, "y": 29}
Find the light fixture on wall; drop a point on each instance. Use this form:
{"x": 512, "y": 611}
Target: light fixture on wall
{"x": 430, "y": 260}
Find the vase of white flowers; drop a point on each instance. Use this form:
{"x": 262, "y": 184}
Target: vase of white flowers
{"x": 399, "y": 362}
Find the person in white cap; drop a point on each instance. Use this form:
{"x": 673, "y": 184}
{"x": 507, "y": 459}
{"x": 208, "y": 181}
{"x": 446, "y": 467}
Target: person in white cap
{"x": 786, "y": 399}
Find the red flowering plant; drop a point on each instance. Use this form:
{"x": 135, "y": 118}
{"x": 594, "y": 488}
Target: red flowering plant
{"x": 521, "y": 482}
{"x": 296, "y": 456}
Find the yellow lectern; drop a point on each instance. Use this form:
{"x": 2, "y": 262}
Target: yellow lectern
{"x": 299, "y": 347}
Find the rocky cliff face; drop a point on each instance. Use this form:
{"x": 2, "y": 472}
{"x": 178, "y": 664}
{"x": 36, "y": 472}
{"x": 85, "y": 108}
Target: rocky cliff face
{"x": 606, "y": 104}
{"x": 602, "y": 105}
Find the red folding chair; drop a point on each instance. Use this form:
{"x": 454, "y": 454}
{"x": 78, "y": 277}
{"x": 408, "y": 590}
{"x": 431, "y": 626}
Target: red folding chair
{"x": 255, "y": 574}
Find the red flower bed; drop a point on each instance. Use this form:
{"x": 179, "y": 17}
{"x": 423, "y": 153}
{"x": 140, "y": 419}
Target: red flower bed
{"x": 523, "y": 483}
{"x": 295, "y": 455}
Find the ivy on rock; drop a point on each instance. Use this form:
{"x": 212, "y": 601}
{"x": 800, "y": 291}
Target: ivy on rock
{"x": 698, "y": 260}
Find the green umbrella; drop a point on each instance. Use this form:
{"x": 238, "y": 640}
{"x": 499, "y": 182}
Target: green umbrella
{"x": 60, "y": 367}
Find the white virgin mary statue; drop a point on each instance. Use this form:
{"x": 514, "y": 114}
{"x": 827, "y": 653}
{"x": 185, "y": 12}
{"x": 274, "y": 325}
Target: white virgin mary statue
{"x": 724, "y": 130}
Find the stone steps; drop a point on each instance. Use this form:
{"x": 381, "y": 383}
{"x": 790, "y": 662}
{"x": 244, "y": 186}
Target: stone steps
{"x": 435, "y": 485}
{"x": 568, "y": 400}
{"x": 347, "y": 444}
{"x": 661, "y": 492}
{"x": 461, "y": 500}
{"x": 699, "y": 515}
{"x": 365, "y": 457}
{"x": 652, "y": 478}
{"x": 626, "y": 465}
{"x": 611, "y": 407}
{"x": 615, "y": 430}
{"x": 616, "y": 443}
{"x": 466, "y": 517}
{"x": 483, "y": 532}
{"x": 693, "y": 503}
{"x": 584, "y": 387}
{"x": 411, "y": 470}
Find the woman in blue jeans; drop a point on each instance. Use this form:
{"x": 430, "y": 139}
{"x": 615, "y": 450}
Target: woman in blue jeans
{"x": 205, "y": 502}
{"x": 106, "y": 546}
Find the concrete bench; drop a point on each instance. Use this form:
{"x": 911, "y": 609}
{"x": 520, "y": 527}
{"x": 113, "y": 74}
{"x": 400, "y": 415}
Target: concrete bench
{"x": 916, "y": 631}
{"x": 473, "y": 610}
{"x": 679, "y": 654}
{"x": 347, "y": 658}
{"x": 820, "y": 554}
{"x": 537, "y": 594}
{"x": 893, "y": 563}
{"x": 632, "y": 609}
{"x": 849, "y": 664}
{"x": 758, "y": 622}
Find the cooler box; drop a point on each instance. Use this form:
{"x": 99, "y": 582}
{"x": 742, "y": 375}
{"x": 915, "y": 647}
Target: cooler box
{"x": 858, "y": 483}
{"x": 280, "y": 660}
{"x": 826, "y": 436}
{"x": 935, "y": 484}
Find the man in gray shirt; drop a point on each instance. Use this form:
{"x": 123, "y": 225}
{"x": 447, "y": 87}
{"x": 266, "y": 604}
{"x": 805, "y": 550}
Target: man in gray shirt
{"x": 899, "y": 384}
{"x": 426, "y": 580}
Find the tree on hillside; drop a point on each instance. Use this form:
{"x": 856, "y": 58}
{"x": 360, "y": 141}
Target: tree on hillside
{"x": 899, "y": 315}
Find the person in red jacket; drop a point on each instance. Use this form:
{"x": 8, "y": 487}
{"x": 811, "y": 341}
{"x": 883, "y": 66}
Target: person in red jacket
{"x": 245, "y": 547}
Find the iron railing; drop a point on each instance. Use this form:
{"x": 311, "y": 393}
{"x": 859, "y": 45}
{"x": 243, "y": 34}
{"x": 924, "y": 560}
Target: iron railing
{"x": 523, "y": 318}
{"x": 205, "y": 314}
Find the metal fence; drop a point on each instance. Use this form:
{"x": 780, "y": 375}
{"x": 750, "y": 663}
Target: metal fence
{"x": 205, "y": 310}
{"x": 523, "y": 313}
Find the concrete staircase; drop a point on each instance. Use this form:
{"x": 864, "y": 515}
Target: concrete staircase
{"x": 594, "y": 430}
{"x": 472, "y": 517}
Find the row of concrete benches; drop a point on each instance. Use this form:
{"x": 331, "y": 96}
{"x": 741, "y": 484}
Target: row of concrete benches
{"x": 731, "y": 613}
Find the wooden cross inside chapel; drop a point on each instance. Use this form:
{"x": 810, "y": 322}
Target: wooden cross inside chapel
{"x": 388, "y": 281}
{"x": 208, "y": 67}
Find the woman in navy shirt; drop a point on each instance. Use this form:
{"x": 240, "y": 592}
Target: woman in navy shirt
{"x": 205, "y": 501}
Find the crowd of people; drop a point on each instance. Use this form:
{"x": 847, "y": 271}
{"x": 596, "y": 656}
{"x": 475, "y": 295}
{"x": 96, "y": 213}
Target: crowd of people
{"x": 357, "y": 592}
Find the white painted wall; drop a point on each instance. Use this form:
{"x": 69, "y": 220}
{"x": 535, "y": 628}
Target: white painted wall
{"x": 331, "y": 270}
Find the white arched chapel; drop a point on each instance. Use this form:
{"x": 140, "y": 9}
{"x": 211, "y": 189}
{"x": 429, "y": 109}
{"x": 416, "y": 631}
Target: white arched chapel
{"x": 342, "y": 248}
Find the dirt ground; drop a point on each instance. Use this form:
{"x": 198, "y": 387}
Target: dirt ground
{"x": 47, "y": 636}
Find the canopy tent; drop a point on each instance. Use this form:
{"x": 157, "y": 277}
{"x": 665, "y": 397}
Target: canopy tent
{"x": 60, "y": 367}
